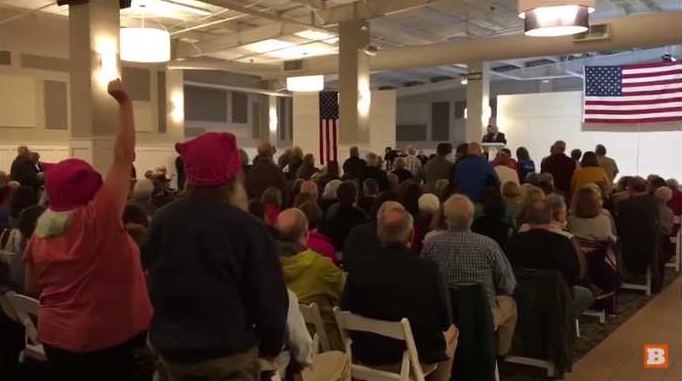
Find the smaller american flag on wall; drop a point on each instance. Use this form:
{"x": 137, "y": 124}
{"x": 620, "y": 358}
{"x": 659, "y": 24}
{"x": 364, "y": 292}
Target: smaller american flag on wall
{"x": 329, "y": 121}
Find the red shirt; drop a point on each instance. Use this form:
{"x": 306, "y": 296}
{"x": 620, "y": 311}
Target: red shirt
{"x": 93, "y": 290}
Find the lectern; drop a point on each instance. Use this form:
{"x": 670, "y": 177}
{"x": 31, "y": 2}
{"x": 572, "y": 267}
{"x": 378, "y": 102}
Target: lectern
{"x": 492, "y": 149}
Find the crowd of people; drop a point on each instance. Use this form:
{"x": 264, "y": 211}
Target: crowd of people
{"x": 209, "y": 276}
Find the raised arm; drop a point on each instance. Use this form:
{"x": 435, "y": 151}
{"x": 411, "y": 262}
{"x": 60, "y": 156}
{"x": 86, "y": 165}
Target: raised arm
{"x": 117, "y": 182}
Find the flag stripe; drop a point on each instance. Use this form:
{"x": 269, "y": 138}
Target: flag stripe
{"x": 632, "y": 106}
{"x": 335, "y": 144}
{"x": 665, "y": 96}
{"x": 628, "y": 75}
{"x": 600, "y": 114}
{"x": 628, "y": 111}
{"x": 609, "y": 120}
{"x": 672, "y": 78}
{"x": 652, "y": 67}
{"x": 653, "y": 85}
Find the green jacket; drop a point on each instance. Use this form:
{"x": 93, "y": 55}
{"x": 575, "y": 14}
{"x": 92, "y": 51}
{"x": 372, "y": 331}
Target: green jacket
{"x": 314, "y": 279}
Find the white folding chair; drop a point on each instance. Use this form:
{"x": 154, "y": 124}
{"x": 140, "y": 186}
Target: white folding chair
{"x": 410, "y": 367}
{"x": 641, "y": 287}
{"x": 311, "y": 315}
{"x": 598, "y": 314}
{"x": 577, "y": 327}
{"x": 25, "y": 308}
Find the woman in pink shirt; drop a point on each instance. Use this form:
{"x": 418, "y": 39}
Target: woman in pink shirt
{"x": 85, "y": 266}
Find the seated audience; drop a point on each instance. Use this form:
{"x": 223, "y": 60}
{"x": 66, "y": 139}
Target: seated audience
{"x": 525, "y": 163}
{"x": 503, "y": 169}
{"x": 257, "y": 209}
{"x": 590, "y": 172}
{"x": 370, "y": 191}
{"x": 162, "y": 195}
{"x": 439, "y": 167}
{"x": 512, "y": 199}
{"x": 374, "y": 171}
{"x": 295, "y": 187}
{"x": 16, "y": 241}
{"x": 576, "y": 154}
{"x": 400, "y": 170}
{"x": 529, "y": 194}
{"x": 330, "y": 194}
{"x": 342, "y": 217}
{"x": 264, "y": 173}
{"x": 587, "y": 220}
{"x": 282, "y": 160}
{"x": 78, "y": 259}
{"x": 136, "y": 223}
{"x": 21, "y": 198}
{"x": 441, "y": 188}
{"x": 409, "y": 287}
{"x": 329, "y": 173}
{"x": 464, "y": 257}
{"x": 426, "y": 221}
{"x": 409, "y": 193}
{"x": 302, "y": 198}
{"x": 545, "y": 181}
{"x": 541, "y": 247}
{"x": 307, "y": 168}
{"x": 317, "y": 241}
{"x": 309, "y": 187}
{"x": 493, "y": 220}
{"x": 638, "y": 229}
{"x": 393, "y": 182}
{"x": 560, "y": 166}
{"x": 5, "y": 199}
{"x": 312, "y": 277}
{"x": 272, "y": 198}
{"x": 354, "y": 166}
{"x": 220, "y": 300}
{"x": 666, "y": 222}
{"x": 295, "y": 162}
{"x": 362, "y": 241}
{"x": 142, "y": 197}
{"x": 474, "y": 173}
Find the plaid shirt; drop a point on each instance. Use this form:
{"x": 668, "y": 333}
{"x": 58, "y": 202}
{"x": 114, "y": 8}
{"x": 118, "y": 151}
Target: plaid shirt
{"x": 464, "y": 257}
{"x": 413, "y": 164}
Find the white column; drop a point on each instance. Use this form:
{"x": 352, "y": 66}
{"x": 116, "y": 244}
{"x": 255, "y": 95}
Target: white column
{"x": 478, "y": 100}
{"x": 354, "y": 96}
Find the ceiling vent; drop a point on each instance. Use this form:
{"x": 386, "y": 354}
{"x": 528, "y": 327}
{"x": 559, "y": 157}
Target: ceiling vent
{"x": 293, "y": 66}
{"x": 595, "y": 33}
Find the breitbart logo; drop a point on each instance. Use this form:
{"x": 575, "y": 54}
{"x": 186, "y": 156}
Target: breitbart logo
{"x": 656, "y": 356}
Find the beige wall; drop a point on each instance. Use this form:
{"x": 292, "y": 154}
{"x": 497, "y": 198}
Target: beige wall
{"x": 47, "y": 36}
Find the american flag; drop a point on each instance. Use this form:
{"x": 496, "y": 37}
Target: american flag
{"x": 329, "y": 121}
{"x": 639, "y": 94}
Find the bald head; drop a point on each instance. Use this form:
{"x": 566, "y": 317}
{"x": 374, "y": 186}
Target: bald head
{"x": 474, "y": 149}
{"x": 394, "y": 225}
{"x": 459, "y": 212}
{"x": 309, "y": 187}
{"x": 292, "y": 226}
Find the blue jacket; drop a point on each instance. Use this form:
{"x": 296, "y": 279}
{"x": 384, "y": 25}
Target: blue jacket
{"x": 473, "y": 174}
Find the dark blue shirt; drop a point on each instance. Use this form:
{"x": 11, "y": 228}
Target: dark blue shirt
{"x": 524, "y": 168}
{"x": 473, "y": 174}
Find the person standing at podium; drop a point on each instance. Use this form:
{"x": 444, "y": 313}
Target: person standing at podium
{"x": 494, "y": 135}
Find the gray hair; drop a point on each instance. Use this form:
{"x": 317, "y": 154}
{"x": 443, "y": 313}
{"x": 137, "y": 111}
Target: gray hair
{"x": 143, "y": 189}
{"x": 331, "y": 189}
{"x": 663, "y": 194}
{"x": 394, "y": 225}
{"x": 540, "y": 212}
{"x": 459, "y": 212}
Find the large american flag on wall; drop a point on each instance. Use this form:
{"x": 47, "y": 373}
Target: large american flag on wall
{"x": 329, "y": 121}
{"x": 633, "y": 95}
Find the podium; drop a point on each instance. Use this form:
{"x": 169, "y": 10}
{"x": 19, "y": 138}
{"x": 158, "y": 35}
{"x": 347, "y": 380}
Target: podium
{"x": 492, "y": 149}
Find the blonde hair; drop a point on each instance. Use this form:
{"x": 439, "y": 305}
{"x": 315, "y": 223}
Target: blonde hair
{"x": 663, "y": 194}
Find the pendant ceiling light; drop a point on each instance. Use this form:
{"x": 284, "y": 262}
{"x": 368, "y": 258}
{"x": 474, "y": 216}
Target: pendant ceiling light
{"x": 308, "y": 83}
{"x": 145, "y": 44}
{"x": 562, "y": 18}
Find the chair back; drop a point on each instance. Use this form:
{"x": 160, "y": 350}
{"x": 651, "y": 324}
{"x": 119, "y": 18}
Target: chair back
{"x": 398, "y": 330}
{"x": 27, "y": 308}
{"x": 311, "y": 315}
{"x": 6, "y": 305}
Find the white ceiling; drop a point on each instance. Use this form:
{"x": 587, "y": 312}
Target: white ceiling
{"x": 271, "y": 31}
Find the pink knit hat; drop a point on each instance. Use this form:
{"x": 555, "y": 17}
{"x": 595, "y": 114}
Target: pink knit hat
{"x": 211, "y": 159}
{"x": 71, "y": 183}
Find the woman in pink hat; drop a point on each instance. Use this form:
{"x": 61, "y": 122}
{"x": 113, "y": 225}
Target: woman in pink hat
{"x": 86, "y": 268}
{"x": 220, "y": 301}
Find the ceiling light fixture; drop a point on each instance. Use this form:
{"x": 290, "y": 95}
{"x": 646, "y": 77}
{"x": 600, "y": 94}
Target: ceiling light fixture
{"x": 562, "y": 18}
{"x": 309, "y": 83}
{"x": 145, "y": 45}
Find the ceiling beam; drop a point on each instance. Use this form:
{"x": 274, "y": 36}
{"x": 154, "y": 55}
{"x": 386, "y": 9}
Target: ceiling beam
{"x": 315, "y": 4}
{"x": 626, "y": 33}
{"x": 234, "y": 40}
{"x": 368, "y": 9}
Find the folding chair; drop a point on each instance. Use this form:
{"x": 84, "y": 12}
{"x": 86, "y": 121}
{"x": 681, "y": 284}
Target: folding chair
{"x": 646, "y": 287}
{"x": 675, "y": 264}
{"x": 311, "y": 315}
{"x": 410, "y": 367}
{"x": 25, "y": 308}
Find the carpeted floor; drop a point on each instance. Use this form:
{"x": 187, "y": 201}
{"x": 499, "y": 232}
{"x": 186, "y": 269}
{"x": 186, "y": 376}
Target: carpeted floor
{"x": 591, "y": 332}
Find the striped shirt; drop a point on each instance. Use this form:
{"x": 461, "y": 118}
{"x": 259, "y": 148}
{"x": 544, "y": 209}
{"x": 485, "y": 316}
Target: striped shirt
{"x": 413, "y": 164}
{"x": 464, "y": 257}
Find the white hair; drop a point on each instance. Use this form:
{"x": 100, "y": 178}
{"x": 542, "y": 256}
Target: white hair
{"x": 663, "y": 194}
{"x": 459, "y": 212}
{"x": 429, "y": 203}
{"x": 331, "y": 188}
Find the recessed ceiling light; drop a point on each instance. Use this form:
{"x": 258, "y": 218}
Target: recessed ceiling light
{"x": 315, "y": 35}
{"x": 268, "y": 46}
